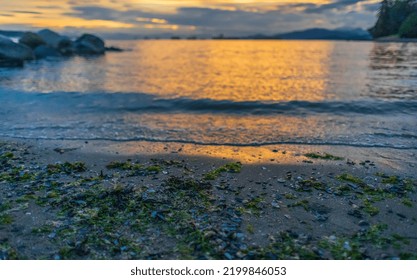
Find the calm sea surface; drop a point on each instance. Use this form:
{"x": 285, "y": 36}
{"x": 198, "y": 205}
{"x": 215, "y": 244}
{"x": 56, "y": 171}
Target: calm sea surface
{"x": 220, "y": 92}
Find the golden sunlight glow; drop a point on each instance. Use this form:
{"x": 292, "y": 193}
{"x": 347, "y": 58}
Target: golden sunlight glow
{"x": 61, "y": 14}
{"x": 245, "y": 155}
{"x": 271, "y": 72}
{"x": 162, "y": 26}
{"x": 63, "y": 22}
{"x": 153, "y": 20}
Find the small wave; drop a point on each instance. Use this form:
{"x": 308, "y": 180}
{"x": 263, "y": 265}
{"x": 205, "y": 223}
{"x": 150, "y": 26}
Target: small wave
{"x": 394, "y": 135}
{"x": 147, "y": 103}
{"x": 144, "y": 103}
{"x": 232, "y": 144}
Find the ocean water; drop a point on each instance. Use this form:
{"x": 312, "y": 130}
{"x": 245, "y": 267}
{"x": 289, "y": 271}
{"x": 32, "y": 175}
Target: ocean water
{"x": 242, "y": 93}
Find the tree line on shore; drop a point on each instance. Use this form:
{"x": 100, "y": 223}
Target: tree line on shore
{"x": 396, "y": 18}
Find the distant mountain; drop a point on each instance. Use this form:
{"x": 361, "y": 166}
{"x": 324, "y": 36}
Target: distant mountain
{"x": 308, "y": 34}
{"x": 326, "y": 34}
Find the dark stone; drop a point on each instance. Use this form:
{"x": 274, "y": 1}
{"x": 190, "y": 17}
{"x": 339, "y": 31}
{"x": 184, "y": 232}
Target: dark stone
{"x": 10, "y": 50}
{"x": 7, "y": 62}
{"x": 52, "y": 38}
{"x": 113, "y": 49}
{"x": 89, "y": 44}
{"x": 355, "y": 213}
{"x": 402, "y": 216}
{"x": 363, "y": 223}
{"x": 46, "y": 51}
{"x": 31, "y": 40}
{"x": 61, "y": 43}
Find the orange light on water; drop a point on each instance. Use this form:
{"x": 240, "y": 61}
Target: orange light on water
{"x": 232, "y": 70}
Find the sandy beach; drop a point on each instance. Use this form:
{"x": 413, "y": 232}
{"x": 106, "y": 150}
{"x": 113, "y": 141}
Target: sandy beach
{"x": 142, "y": 200}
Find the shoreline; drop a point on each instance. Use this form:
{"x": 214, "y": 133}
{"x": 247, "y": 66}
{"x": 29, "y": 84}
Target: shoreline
{"x": 395, "y": 40}
{"x": 97, "y": 200}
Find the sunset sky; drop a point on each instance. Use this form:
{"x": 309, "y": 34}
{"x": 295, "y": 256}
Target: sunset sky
{"x": 231, "y": 17}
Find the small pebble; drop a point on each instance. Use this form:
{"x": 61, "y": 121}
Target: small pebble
{"x": 275, "y": 205}
{"x": 228, "y": 256}
{"x": 363, "y": 223}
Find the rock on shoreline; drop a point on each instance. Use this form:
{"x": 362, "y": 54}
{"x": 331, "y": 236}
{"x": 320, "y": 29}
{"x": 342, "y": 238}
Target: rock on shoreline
{"x": 13, "y": 54}
{"x": 47, "y": 43}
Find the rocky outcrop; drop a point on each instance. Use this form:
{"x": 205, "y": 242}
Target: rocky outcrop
{"x": 13, "y": 54}
{"x": 10, "y": 62}
{"x": 47, "y": 43}
{"x": 89, "y": 44}
{"x": 31, "y": 40}
{"x": 61, "y": 43}
{"x": 46, "y": 51}
{"x": 113, "y": 49}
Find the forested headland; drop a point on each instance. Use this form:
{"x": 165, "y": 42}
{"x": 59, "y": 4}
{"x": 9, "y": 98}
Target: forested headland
{"x": 396, "y": 18}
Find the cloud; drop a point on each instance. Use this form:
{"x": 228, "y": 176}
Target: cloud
{"x": 54, "y": 7}
{"x": 26, "y": 12}
{"x": 230, "y": 19}
{"x": 337, "y": 6}
{"x": 102, "y": 13}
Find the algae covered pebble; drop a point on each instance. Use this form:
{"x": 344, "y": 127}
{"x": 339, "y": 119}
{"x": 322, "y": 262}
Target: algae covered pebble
{"x": 234, "y": 167}
{"x": 324, "y": 156}
{"x": 66, "y": 167}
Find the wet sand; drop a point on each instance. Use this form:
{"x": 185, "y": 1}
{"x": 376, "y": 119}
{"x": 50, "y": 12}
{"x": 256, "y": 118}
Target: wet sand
{"x": 141, "y": 200}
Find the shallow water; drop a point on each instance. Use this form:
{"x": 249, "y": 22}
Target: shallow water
{"x": 243, "y": 93}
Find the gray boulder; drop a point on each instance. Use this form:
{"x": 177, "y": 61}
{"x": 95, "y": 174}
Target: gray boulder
{"x": 89, "y": 44}
{"x": 43, "y": 51}
{"x": 62, "y": 43}
{"x": 9, "y": 62}
{"x": 31, "y": 40}
{"x": 11, "y": 52}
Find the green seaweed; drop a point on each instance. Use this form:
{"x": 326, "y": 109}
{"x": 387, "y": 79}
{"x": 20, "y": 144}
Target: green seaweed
{"x": 290, "y": 196}
{"x": 302, "y": 203}
{"x": 309, "y": 185}
{"x": 7, "y": 155}
{"x": 135, "y": 168}
{"x": 250, "y": 228}
{"x": 409, "y": 185}
{"x": 154, "y": 169}
{"x": 391, "y": 180}
{"x": 5, "y": 206}
{"x": 350, "y": 178}
{"x": 407, "y": 202}
{"x": 66, "y": 167}
{"x": 286, "y": 247}
{"x": 17, "y": 174}
{"x": 234, "y": 167}
{"x": 7, "y": 252}
{"x": 370, "y": 208}
{"x": 252, "y": 206}
{"x": 408, "y": 256}
{"x": 325, "y": 156}
{"x": 42, "y": 229}
{"x": 5, "y": 219}
{"x": 127, "y": 165}
{"x": 342, "y": 248}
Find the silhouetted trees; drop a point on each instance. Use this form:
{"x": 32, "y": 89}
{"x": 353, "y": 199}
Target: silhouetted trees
{"x": 396, "y": 17}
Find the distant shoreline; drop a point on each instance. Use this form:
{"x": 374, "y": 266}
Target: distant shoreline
{"x": 395, "y": 40}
